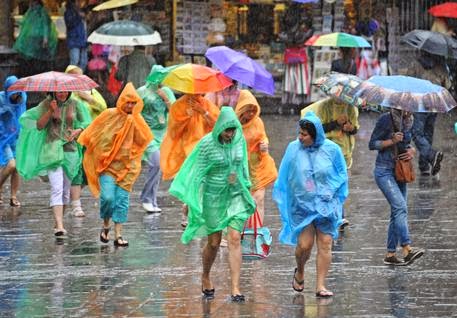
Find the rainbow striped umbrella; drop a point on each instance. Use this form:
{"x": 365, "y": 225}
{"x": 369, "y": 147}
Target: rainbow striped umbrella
{"x": 196, "y": 79}
{"x": 338, "y": 39}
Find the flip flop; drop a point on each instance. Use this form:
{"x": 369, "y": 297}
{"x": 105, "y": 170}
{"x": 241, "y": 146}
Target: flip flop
{"x": 324, "y": 293}
{"x": 15, "y": 202}
{"x": 120, "y": 242}
{"x": 295, "y": 280}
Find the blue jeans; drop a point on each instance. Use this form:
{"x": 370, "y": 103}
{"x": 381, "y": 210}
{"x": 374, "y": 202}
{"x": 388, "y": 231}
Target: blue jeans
{"x": 114, "y": 201}
{"x": 78, "y": 57}
{"x": 149, "y": 193}
{"x": 422, "y": 131}
{"x": 396, "y": 194}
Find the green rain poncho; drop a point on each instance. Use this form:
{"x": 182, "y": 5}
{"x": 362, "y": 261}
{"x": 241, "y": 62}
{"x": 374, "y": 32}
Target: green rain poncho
{"x": 37, "y": 26}
{"x": 155, "y": 113}
{"x": 41, "y": 150}
{"x": 203, "y": 182}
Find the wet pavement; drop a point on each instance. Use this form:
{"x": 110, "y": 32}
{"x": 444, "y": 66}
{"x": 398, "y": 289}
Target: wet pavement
{"x": 157, "y": 276}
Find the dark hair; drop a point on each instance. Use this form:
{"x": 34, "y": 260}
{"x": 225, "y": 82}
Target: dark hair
{"x": 309, "y": 127}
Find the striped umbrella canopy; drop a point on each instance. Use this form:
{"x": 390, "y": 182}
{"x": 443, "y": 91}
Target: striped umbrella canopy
{"x": 405, "y": 93}
{"x": 196, "y": 79}
{"x": 54, "y": 82}
{"x": 337, "y": 39}
{"x": 125, "y": 32}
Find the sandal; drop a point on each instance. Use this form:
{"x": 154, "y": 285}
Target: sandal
{"x": 208, "y": 293}
{"x": 15, "y": 202}
{"x": 324, "y": 293}
{"x": 60, "y": 233}
{"x": 299, "y": 282}
{"x": 104, "y": 231}
{"x": 238, "y": 298}
{"x": 120, "y": 242}
{"x": 78, "y": 212}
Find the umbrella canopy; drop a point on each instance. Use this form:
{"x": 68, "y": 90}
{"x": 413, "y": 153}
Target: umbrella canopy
{"x": 196, "y": 79}
{"x": 337, "y": 39}
{"x": 54, "y": 82}
{"x": 242, "y": 68}
{"x": 125, "y": 32}
{"x": 339, "y": 85}
{"x": 305, "y": 1}
{"x": 405, "y": 93}
{"x": 432, "y": 42}
{"x": 444, "y": 10}
{"x": 113, "y": 4}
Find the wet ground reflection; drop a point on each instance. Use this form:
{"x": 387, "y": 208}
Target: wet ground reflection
{"x": 157, "y": 276}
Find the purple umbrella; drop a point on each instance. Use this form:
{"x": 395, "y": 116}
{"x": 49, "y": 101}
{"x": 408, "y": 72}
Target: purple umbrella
{"x": 241, "y": 68}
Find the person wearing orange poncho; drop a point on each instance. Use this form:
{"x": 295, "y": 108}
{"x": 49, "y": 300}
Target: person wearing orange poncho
{"x": 262, "y": 169}
{"x": 115, "y": 142}
{"x": 191, "y": 117}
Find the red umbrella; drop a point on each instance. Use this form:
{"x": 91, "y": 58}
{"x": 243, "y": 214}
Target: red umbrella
{"x": 54, "y": 82}
{"x": 444, "y": 10}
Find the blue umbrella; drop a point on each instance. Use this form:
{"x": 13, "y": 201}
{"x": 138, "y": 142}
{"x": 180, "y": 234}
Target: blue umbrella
{"x": 405, "y": 93}
{"x": 305, "y": 1}
{"x": 242, "y": 68}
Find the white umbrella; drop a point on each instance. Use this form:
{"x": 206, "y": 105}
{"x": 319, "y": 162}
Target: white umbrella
{"x": 112, "y": 4}
{"x": 125, "y": 32}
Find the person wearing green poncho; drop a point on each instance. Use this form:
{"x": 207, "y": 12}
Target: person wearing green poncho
{"x": 214, "y": 182}
{"x": 48, "y": 135}
{"x": 37, "y": 40}
{"x": 157, "y": 102}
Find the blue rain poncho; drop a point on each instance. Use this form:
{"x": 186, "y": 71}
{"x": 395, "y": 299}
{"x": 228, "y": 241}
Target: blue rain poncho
{"x": 312, "y": 184}
{"x": 203, "y": 182}
{"x": 9, "y": 118}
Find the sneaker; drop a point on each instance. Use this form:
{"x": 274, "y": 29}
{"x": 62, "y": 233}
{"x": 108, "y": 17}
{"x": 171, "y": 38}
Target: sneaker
{"x": 393, "y": 260}
{"x": 413, "y": 254}
{"x": 436, "y": 164}
{"x": 78, "y": 212}
{"x": 156, "y": 210}
{"x": 148, "y": 207}
{"x": 344, "y": 224}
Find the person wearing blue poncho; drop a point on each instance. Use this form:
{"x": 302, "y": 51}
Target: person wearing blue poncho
{"x": 310, "y": 191}
{"x": 12, "y": 105}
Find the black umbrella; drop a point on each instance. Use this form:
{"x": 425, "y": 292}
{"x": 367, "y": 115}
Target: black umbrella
{"x": 432, "y": 42}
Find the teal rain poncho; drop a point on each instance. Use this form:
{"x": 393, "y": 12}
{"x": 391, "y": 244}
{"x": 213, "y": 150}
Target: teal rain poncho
{"x": 36, "y": 26}
{"x": 9, "y": 118}
{"x": 155, "y": 113}
{"x": 41, "y": 150}
{"x": 312, "y": 184}
{"x": 203, "y": 182}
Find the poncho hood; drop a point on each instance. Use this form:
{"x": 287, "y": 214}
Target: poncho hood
{"x": 227, "y": 119}
{"x": 320, "y": 134}
{"x": 245, "y": 101}
{"x": 10, "y": 80}
{"x": 129, "y": 94}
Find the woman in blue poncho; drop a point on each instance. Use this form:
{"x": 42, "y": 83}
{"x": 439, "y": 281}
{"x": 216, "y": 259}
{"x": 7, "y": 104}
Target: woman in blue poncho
{"x": 310, "y": 191}
{"x": 12, "y": 105}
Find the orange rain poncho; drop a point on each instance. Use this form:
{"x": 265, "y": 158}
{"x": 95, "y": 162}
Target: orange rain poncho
{"x": 185, "y": 129}
{"x": 262, "y": 167}
{"x": 115, "y": 142}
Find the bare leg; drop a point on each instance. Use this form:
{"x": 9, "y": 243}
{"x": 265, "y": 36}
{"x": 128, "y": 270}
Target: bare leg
{"x": 303, "y": 252}
{"x": 58, "y": 217}
{"x": 7, "y": 171}
{"x": 75, "y": 198}
{"x": 324, "y": 258}
{"x": 15, "y": 182}
{"x": 234, "y": 247}
{"x": 208, "y": 256}
{"x": 259, "y": 198}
